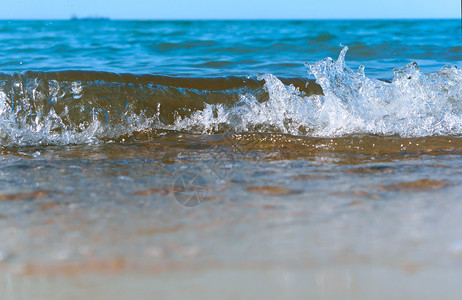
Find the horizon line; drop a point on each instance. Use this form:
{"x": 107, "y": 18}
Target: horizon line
{"x": 102, "y": 18}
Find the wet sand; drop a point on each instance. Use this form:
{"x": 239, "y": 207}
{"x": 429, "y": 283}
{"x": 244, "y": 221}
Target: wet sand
{"x": 346, "y": 282}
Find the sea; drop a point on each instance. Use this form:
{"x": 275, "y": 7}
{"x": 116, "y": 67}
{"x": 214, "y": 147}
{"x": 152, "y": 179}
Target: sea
{"x": 230, "y": 159}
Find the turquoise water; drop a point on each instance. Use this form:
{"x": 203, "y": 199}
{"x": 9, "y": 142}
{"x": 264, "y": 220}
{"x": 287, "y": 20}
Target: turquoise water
{"x": 222, "y": 48}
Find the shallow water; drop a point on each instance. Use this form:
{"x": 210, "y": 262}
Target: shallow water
{"x": 204, "y": 170}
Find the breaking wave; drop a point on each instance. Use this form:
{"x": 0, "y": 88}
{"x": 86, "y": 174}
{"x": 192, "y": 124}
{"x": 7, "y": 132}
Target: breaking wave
{"x": 90, "y": 107}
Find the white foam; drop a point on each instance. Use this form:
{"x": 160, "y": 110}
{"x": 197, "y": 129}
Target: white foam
{"x": 413, "y": 104}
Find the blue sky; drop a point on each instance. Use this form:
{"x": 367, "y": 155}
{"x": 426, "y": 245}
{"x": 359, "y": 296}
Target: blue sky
{"x": 231, "y": 9}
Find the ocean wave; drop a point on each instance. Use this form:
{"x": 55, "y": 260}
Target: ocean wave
{"x": 411, "y": 105}
{"x": 90, "y": 107}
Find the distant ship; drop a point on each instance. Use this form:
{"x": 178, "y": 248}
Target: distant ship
{"x": 89, "y": 18}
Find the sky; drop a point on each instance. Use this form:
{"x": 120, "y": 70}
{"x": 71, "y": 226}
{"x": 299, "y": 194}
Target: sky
{"x": 231, "y": 9}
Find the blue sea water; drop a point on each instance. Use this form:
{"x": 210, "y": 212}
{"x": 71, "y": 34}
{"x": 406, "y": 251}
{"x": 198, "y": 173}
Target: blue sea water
{"x": 81, "y": 81}
{"x": 274, "y": 147}
{"x": 223, "y": 48}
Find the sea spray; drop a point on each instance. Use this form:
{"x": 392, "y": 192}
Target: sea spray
{"x": 412, "y": 105}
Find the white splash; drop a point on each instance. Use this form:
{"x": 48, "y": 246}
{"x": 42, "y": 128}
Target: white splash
{"x": 413, "y": 104}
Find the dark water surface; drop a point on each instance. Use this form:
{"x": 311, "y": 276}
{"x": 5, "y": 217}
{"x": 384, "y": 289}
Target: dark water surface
{"x": 238, "y": 150}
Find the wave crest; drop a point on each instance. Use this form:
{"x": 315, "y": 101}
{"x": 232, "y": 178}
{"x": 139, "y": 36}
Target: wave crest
{"x": 76, "y": 107}
{"x": 411, "y": 105}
